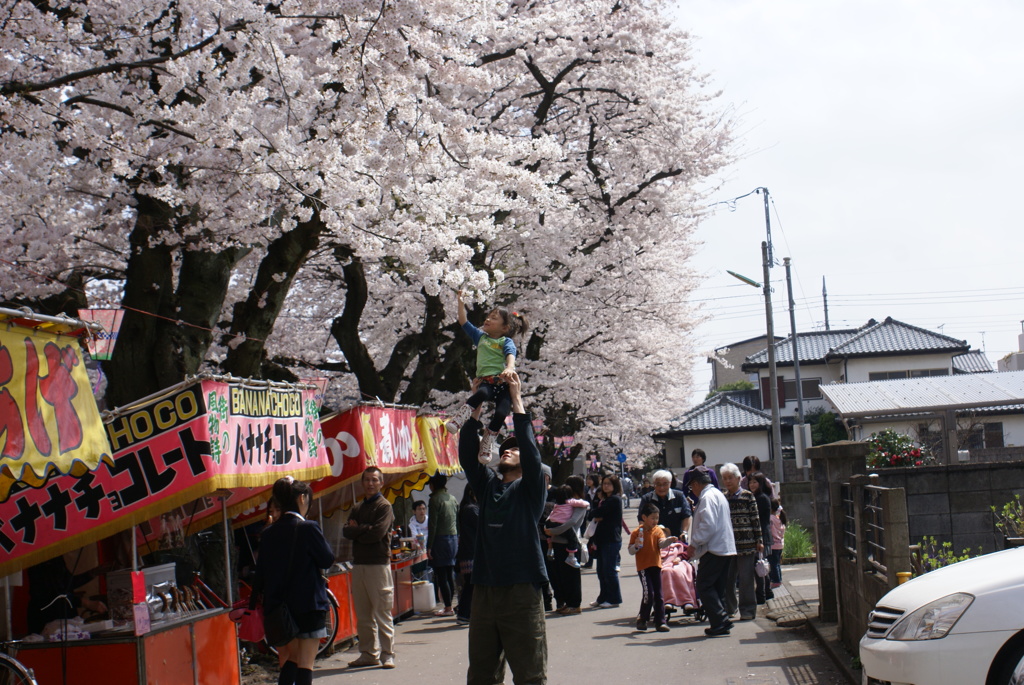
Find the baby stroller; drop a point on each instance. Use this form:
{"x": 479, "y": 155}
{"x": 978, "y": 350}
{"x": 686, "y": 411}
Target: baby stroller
{"x": 677, "y": 584}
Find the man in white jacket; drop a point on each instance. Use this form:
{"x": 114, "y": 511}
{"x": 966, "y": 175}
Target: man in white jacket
{"x": 712, "y": 542}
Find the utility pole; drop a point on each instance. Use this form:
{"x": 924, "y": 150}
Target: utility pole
{"x": 801, "y": 432}
{"x": 824, "y": 298}
{"x": 773, "y": 377}
{"x": 796, "y": 353}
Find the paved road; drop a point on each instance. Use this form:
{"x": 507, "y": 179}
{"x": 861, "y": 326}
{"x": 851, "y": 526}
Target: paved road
{"x": 602, "y": 646}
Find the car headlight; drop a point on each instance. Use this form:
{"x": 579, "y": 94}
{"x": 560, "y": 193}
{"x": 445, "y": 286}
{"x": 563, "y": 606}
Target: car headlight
{"x": 933, "y": 620}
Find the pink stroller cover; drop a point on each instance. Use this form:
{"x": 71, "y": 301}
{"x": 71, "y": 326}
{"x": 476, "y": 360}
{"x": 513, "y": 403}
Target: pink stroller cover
{"x": 677, "y": 585}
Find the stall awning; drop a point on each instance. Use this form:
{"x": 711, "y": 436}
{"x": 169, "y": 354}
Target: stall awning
{"x": 207, "y": 435}
{"x": 406, "y": 446}
{"x": 932, "y": 394}
{"x": 49, "y": 421}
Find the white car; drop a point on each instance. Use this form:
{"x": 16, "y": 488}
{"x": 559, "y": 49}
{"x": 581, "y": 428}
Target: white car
{"x": 958, "y": 625}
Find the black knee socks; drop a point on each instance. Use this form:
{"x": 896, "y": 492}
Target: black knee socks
{"x": 304, "y": 676}
{"x": 288, "y": 674}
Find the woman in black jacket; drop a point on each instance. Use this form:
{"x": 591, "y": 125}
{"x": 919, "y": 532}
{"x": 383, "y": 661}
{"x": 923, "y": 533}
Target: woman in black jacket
{"x": 607, "y": 541}
{"x": 758, "y": 484}
{"x": 288, "y": 571}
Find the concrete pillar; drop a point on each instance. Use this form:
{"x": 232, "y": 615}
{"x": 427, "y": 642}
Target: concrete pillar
{"x": 831, "y": 464}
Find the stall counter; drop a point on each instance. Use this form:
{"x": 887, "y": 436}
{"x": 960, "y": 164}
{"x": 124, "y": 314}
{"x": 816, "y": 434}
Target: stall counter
{"x": 401, "y": 575}
{"x": 201, "y": 650}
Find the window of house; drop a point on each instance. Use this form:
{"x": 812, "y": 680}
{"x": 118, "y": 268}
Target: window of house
{"x": 974, "y": 440}
{"x": 932, "y": 439}
{"x": 984, "y": 436}
{"x": 914, "y": 373}
{"x": 886, "y": 375}
{"x": 994, "y": 434}
{"x": 811, "y": 388}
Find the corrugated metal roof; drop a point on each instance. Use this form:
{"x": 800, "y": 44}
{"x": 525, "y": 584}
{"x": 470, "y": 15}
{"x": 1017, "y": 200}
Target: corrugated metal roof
{"x": 1007, "y": 409}
{"x": 974, "y": 361}
{"x": 935, "y": 393}
{"x": 719, "y": 413}
{"x": 871, "y": 339}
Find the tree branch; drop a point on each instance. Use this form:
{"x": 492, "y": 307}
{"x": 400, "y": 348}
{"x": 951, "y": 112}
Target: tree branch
{"x": 21, "y": 88}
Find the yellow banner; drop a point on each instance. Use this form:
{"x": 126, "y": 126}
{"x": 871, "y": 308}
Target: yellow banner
{"x": 440, "y": 446}
{"x": 48, "y": 416}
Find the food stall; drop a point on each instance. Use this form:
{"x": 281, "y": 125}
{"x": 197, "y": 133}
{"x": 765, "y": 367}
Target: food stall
{"x": 203, "y": 451}
{"x": 408, "y": 448}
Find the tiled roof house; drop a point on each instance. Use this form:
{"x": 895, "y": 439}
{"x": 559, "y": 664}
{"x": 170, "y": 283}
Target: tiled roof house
{"x": 723, "y": 426}
{"x": 876, "y": 351}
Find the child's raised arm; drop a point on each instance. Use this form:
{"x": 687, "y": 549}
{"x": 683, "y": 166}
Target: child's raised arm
{"x": 462, "y": 310}
{"x": 510, "y": 366}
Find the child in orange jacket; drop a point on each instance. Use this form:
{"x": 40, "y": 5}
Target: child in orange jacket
{"x": 646, "y": 543}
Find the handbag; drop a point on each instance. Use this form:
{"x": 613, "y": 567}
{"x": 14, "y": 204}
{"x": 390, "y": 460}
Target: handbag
{"x": 279, "y": 625}
{"x": 761, "y": 567}
{"x": 250, "y": 623}
{"x": 591, "y": 529}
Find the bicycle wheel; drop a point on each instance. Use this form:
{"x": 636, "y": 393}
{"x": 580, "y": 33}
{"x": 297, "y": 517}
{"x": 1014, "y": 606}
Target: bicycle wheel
{"x": 327, "y": 643}
{"x": 13, "y": 672}
{"x": 331, "y": 622}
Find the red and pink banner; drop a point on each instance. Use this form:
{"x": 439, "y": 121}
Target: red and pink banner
{"x": 207, "y": 437}
{"x": 406, "y": 447}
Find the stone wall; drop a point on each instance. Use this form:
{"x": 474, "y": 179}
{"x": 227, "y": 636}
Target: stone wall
{"x": 997, "y": 455}
{"x": 954, "y": 503}
{"x": 796, "y": 500}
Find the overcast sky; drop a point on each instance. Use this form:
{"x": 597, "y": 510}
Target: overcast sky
{"x": 891, "y": 137}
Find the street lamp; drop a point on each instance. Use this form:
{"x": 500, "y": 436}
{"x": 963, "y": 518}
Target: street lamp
{"x": 772, "y": 374}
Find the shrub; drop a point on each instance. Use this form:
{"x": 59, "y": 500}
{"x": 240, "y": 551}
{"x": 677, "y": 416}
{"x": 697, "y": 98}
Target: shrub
{"x": 1010, "y": 519}
{"x": 890, "y": 449}
{"x": 797, "y": 543}
{"x": 930, "y": 555}
{"x": 824, "y": 426}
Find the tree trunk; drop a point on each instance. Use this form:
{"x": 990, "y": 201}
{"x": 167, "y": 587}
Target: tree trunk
{"x": 432, "y": 368}
{"x": 148, "y": 288}
{"x": 155, "y": 352}
{"x": 255, "y": 317}
{"x": 203, "y": 280}
{"x": 345, "y": 331}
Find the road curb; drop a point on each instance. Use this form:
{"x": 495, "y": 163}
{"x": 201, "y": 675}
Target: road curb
{"x": 792, "y": 611}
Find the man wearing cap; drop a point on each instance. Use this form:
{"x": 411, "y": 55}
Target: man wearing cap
{"x": 711, "y": 541}
{"x": 507, "y": 619}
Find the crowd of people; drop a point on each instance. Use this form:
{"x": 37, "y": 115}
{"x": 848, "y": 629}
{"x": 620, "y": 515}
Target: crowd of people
{"x": 514, "y": 549}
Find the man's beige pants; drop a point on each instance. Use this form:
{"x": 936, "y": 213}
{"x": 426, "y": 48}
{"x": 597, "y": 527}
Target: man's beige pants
{"x": 373, "y": 596}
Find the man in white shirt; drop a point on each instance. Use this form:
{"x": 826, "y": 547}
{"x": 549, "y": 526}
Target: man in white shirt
{"x": 711, "y": 541}
{"x": 418, "y": 523}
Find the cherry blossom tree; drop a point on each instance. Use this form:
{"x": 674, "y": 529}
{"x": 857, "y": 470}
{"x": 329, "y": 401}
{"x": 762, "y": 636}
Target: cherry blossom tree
{"x": 273, "y": 190}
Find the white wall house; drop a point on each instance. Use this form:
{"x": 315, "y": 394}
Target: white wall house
{"x": 1015, "y": 360}
{"x": 981, "y": 429}
{"x": 985, "y": 413}
{"x": 884, "y": 350}
{"x": 726, "y": 429}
